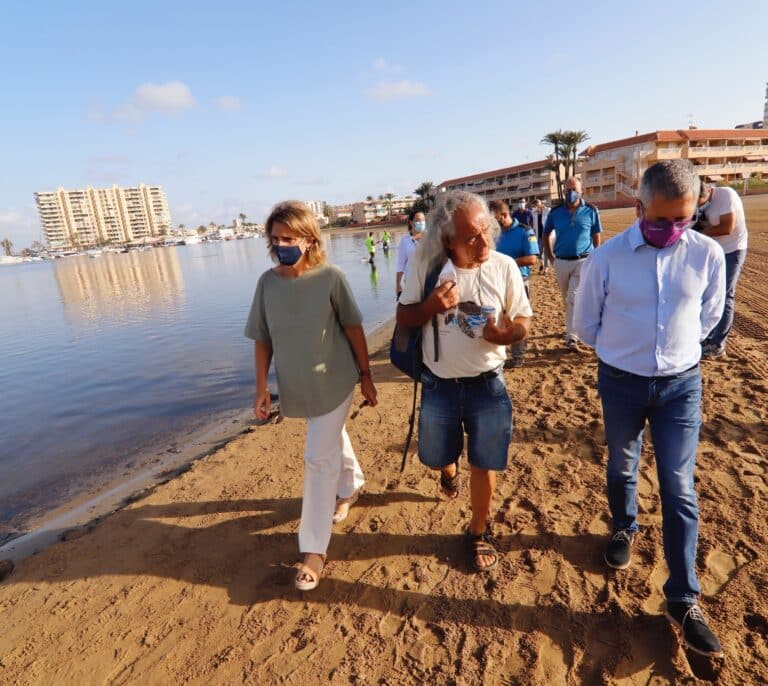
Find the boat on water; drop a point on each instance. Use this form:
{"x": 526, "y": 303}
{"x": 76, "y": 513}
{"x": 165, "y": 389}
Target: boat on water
{"x": 192, "y": 240}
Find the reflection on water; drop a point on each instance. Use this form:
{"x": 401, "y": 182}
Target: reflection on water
{"x": 100, "y": 358}
{"x": 119, "y": 285}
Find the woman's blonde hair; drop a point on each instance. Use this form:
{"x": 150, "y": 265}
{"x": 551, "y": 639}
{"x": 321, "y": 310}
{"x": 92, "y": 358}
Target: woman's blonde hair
{"x": 299, "y": 219}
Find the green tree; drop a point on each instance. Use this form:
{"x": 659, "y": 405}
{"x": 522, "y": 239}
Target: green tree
{"x": 555, "y": 139}
{"x": 7, "y": 245}
{"x": 368, "y": 198}
{"x": 426, "y": 193}
{"x": 201, "y": 230}
{"x": 242, "y": 216}
{"x": 389, "y": 197}
{"x": 572, "y": 140}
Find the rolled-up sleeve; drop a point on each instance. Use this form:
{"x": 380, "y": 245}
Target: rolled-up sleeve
{"x": 713, "y": 300}
{"x": 257, "y": 328}
{"x": 343, "y": 302}
{"x": 589, "y": 300}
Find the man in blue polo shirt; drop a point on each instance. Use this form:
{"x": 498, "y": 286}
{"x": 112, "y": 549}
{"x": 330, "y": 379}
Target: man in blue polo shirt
{"x": 519, "y": 242}
{"x": 576, "y": 224}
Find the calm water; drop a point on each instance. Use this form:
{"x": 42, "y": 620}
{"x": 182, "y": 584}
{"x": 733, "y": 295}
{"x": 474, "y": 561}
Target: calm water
{"x": 102, "y": 359}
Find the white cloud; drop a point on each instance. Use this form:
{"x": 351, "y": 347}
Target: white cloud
{"x": 380, "y": 64}
{"x": 274, "y": 172}
{"x": 172, "y": 96}
{"x": 162, "y": 98}
{"x": 228, "y": 103}
{"x": 395, "y": 90}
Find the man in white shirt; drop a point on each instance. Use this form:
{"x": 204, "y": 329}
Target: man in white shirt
{"x": 646, "y": 300}
{"x": 721, "y": 216}
{"x": 478, "y": 308}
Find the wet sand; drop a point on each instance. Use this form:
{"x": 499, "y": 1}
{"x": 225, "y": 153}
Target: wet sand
{"x": 192, "y": 583}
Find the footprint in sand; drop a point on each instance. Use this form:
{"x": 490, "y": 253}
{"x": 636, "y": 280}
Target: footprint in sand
{"x": 721, "y": 566}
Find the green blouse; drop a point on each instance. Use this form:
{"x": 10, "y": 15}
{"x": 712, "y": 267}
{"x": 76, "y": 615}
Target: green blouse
{"x": 304, "y": 320}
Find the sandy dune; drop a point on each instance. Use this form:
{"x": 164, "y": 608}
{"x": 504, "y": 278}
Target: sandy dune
{"x": 193, "y": 583}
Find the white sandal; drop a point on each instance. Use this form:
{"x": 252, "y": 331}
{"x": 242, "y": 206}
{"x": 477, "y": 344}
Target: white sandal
{"x": 307, "y": 578}
{"x": 342, "y": 507}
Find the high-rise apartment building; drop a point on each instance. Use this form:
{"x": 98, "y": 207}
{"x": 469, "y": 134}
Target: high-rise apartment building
{"x": 98, "y": 216}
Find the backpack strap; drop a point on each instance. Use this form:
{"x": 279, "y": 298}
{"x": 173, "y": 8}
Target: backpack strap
{"x": 429, "y": 285}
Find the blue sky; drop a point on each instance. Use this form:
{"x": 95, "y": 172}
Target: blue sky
{"x": 233, "y": 106}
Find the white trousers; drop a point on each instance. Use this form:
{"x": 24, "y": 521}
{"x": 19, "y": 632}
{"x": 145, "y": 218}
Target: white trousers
{"x": 331, "y": 469}
{"x": 568, "y": 273}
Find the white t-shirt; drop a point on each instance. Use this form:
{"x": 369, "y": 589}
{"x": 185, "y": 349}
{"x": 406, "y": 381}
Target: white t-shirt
{"x": 724, "y": 201}
{"x": 493, "y": 288}
{"x": 405, "y": 249}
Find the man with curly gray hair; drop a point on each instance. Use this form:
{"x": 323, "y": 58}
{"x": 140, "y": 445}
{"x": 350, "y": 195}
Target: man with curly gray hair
{"x": 478, "y": 307}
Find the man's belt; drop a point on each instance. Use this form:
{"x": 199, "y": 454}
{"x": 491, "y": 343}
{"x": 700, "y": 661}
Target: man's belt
{"x": 575, "y": 257}
{"x": 471, "y": 379}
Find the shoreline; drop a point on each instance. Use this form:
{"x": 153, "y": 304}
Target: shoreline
{"x": 85, "y": 511}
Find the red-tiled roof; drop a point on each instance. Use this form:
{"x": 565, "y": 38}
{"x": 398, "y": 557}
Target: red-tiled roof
{"x": 678, "y": 136}
{"x": 495, "y": 172}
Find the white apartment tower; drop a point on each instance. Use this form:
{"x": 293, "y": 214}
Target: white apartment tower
{"x": 765, "y": 108}
{"x": 98, "y": 216}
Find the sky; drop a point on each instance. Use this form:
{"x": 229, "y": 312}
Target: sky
{"x": 234, "y": 106}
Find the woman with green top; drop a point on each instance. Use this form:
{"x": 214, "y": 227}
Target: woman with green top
{"x": 305, "y": 316}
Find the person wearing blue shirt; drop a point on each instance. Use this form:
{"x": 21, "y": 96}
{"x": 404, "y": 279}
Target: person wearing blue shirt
{"x": 519, "y": 242}
{"x": 523, "y": 215}
{"x": 576, "y": 225}
{"x": 647, "y": 299}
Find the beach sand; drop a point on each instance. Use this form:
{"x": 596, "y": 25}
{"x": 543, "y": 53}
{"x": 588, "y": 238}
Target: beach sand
{"x": 193, "y": 583}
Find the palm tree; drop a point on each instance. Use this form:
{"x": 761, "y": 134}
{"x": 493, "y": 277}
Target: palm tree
{"x": 7, "y": 245}
{"x": 426, "y": 192}
{"x": 368, "y": 198}
{"x": 242, "y": 216}
{"x": 555, "y": 139}
{"x": 571, "y": 142}
{"x": 182, "y": 228}
{"x": 388, "y": 197}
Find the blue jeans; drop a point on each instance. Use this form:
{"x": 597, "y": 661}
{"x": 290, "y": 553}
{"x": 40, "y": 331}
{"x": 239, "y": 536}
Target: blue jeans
{"x": 449, "y": 408}
{"x": 734, "y": 261}
{"x": 672, "y": 407}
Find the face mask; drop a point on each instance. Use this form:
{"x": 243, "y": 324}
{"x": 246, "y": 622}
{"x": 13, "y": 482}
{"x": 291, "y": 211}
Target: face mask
{"x": 662, "y": 233}
{"x": 572, "y": 197}
{"x": 522, "y": 205}
{"x": 418, "y": 227}
{"x": 288, "y": 254}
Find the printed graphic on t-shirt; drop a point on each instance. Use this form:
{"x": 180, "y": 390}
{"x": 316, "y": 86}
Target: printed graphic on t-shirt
{"x": 470, "y": 318}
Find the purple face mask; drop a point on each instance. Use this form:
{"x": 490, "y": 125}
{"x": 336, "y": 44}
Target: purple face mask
{"x": 663, "y": 233}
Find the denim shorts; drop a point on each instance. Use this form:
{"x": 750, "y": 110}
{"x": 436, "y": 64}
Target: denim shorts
{"x": 482, "y": 409}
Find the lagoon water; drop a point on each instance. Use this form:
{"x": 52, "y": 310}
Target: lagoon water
{"x": 103, "y": 359}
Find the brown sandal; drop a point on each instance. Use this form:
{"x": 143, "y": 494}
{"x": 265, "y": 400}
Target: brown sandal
{"x": 450, "y": 484}
{"x": 482, "y": 545}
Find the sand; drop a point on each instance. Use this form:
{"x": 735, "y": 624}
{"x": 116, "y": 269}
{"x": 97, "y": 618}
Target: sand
{"x": 192, "y": 584}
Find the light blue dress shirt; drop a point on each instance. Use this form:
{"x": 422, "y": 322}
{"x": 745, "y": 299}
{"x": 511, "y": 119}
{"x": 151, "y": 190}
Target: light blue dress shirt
{"x": 646, "y": 310}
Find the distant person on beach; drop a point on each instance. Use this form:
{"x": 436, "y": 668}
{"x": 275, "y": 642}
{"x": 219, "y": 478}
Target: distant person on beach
{"x": 721, "y": 216}
{"x": 540, "y": 213}
{"x": 477, "y": 309}
{"x": 518, "y": 242}
{"x": 370, "y": 244}
{"x": 416, "y": 225}
{"x": 304, "y": 314}
{"x": 522, "y": 214}
{"x": 647, "y": 299}
{"x": 576, "y": 225}
{"x": 386, "y": 240}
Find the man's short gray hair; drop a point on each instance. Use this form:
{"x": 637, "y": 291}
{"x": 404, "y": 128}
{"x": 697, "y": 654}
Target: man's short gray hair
{"x": 671, "y": 179}
{"x": 440, "y": 224}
